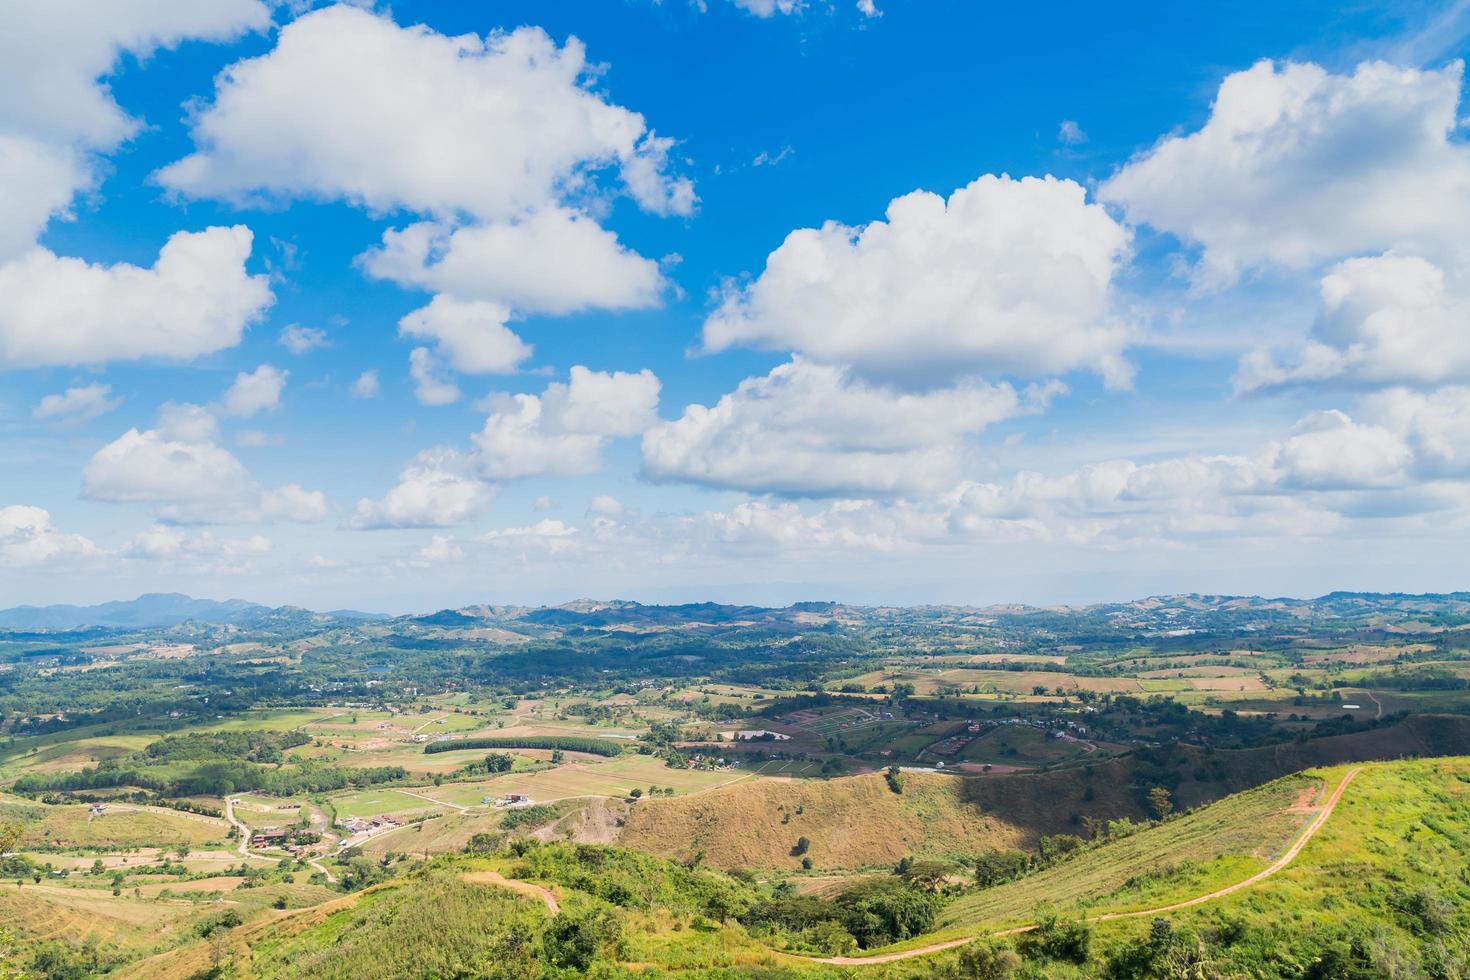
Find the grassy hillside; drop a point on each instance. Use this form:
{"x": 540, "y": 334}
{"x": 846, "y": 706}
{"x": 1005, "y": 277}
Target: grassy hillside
{"x": 852, "y": 822}
{"x": 857, "y": 821}
{"x": 1226, "y": 841}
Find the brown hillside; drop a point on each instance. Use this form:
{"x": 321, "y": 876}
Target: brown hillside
{"x": 850, "y": 822}
{"x": 858, "y": 821}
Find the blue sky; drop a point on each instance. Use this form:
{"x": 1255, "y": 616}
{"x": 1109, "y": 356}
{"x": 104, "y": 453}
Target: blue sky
{"x": 753, "y": 300}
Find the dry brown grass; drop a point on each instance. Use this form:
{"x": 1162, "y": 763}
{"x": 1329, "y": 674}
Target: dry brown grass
{"x": 851, "y": 823}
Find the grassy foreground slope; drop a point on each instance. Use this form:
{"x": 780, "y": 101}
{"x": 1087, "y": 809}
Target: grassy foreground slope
{"x": 1380, "y": 891}
{"x": 858, "y": 822}
{"x": 1226, "y": 841}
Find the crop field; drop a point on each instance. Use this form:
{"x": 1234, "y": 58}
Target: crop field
{"x": 927, "y": 682}
{"x": 1020, "y": 745}
{"x": 612, "y": 778}
{"x": 378, "y": 802}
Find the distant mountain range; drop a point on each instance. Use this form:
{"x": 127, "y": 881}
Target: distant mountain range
{"x": 156, "y": 609}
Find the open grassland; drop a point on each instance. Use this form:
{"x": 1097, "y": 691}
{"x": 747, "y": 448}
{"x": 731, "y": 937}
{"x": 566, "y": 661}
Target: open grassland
{"x": 851, "y": 823}
{"x": 72, "y": 825}
{"x": 379, "y": 802}
{"x": 1019, "y": 745}
{"x": 606, "y": 777}
{"x": 995, "y": 681}
{"x": 72, "y": 756}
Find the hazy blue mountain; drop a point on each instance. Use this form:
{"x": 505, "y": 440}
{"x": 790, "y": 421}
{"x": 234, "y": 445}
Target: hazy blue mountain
{"x": 153, "y": 609}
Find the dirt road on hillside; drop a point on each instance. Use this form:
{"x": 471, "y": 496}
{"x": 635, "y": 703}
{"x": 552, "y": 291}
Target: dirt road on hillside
{"x": 1277, "y": 865}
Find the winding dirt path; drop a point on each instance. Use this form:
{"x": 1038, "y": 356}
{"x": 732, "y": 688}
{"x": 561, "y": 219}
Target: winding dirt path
{"x": 522, "y": 887}
{"x": 1277, "y": 865}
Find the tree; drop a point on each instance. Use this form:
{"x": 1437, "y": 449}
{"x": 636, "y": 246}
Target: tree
{"x": 1160, "y": 803}
{"x": 894, "y": 776}
{"x": 983, "y": 960}
{"x": 574, "y": 940}
{"x": 802, "y": 846}
{"x": 928, "y": 875}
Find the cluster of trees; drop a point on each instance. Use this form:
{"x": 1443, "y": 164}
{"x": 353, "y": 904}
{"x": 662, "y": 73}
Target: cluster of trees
{"x": 213, "y": 779}
{"x": 568, "y": 743}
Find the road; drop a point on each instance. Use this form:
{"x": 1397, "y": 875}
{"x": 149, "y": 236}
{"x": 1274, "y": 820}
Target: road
{"x": 1277, "y": 865}
{"x": 521, "y": 887}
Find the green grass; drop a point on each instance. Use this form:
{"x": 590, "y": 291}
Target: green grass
{"x": 1226, "y": 841}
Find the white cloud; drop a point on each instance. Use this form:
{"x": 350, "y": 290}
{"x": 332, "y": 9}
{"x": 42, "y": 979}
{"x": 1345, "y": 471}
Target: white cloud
{"x": 54, "y": 110}
{"x": 80, "y": 404}
{"x": 1435, "y": 426}
{"x": 812, "y": 429}
{"x": 769, "y": 8}
{"x": 552, "y": 261}
{"x": 27, "y": 537}
{"x": 164, "y": 543}
{"x": 1329, "y": 451}
{"x": 1006, "y": 276}
{"x": 548, "y": 536}
{"x": 350, "y": 106}
{"x": 471, "y": 335}
{"x": 37, "y": 182}
{"x": 196, "y": 299}
{"x": 440, "y": 548}
{"x": 605, "y": 505}
{"x": 1383, "y": 319}
{"x": 186, "y": 477}
{"x": 255, "y": 392}
{"x": 868, "y": 8}
{"x": 1297, "y": 165}
{"x": 562, "y": 431}
{"x": 366, "y": 385}
{"x": 437, "y": 489}
{"x": 1070, "y": 134}
{"x": 429, "y": 387}
{"x": 303, "y": 340}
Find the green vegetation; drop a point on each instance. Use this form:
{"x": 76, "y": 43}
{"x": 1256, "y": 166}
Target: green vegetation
{"x": 566, "y": 743}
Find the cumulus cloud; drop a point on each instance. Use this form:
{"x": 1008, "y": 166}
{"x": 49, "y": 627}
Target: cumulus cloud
{"x": 366, "y": 385}
{"x": 350, "y": 106}
{"x": 55, "y": 112}
{"x": 438, "y": 489}
{"x": 303, "y": 340}
{"x": 808, "y": 428}
{"x": 552, "y": 261}
{"x": 501, "y": 141}
{"x": 1006, "y": 275}
{"x": 1297, "y": 165}
{"x": 1384, "y": 319}
{"x": 27, "y": 537}
{"x": 470, "y": 335}
{"x": 562, "y": 431}
{"x": 769, "y": 8}
{"x": 186, "y": 477}
{"x": 196, "y": 299}
{"x": 255, "y": 392}
{"x": 548, "y": 536}
{"x": 430, "y": 387}
{"x": 75, "y": 405}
